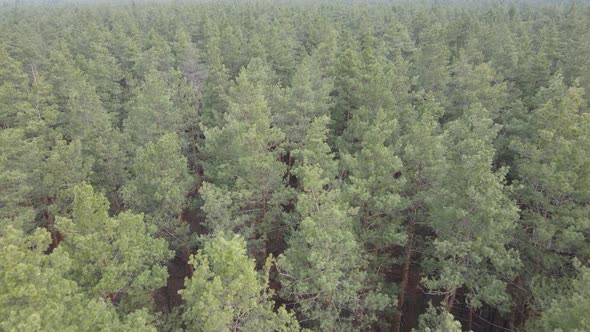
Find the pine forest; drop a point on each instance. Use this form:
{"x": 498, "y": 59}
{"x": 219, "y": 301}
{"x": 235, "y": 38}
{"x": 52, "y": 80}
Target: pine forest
{"x": 276, "y": 165}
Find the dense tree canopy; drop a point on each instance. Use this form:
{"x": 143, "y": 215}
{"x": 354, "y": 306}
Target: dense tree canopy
{"x": 290, "y": 165}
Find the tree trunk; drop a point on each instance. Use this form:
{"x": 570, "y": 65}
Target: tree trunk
{"x": 360, "y": 314}
{"x": 289, "y": 169}
{"x": 187, "y": 260}
{"x": 56, "y": 236}
{"x": 405, "y": 270}
{"x": 450, "y": 299}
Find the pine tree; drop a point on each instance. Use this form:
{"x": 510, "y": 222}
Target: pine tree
{"x": 64, "y": 167}
{"x": 214, "y": 102}
{"x": 475, "y": 84}
{"x": 472, "y": 217}
{"x": 37, "y": 294}
{"x": 226, "y": 293}
{"x": 103, "y": 70}
{"x": 568, "y": 311}
{"x": 372, "y": 184}
{"x": 13, "y": 90}
{"x": 533, "y": 71}
{"x": 281, "y": 48}
{"x": 116, "y": 259}
{"x": 347, "y": 80}
{"x": 500, "y": 46}
{"x": 18, "y": 166}
{"x": 307, "y": 98}
{"x": 159, "y": 187}
{"x": 422, "y": 151}
{"x": 124, "y": 41}
{"x": 83, "y": 117}
{"x": 233, "y": 46}
{"x": 437, "y": 320}
{"x": 323, "y": 270}
{"x": 41, "y": 118}
{"x": 157, "y": 108}
{"x": 572, "y": 45}
{"x": 186, "y": 55}
{"x": 431, "y": 63}
{"x": 241, "y": 159}
{"x": 157, "y": 55}
{"x": 551, "y": 166}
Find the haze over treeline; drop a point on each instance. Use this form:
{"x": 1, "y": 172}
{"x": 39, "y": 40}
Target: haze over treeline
{"x": 299, "y": 2}
{"x": 280, "y": 166}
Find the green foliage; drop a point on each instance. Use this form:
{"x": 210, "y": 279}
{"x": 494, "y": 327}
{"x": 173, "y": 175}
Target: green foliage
{"x": 37, "y": 294}
{"x": 64, "y": 167}
{"x": 114, "y": 258}
{"x": 240, "y": 158}
{"x": 471, "y": 215}
{"x": 13, "y": 90}
{"x": 103, "y": 69}
{"x": 159, "y": 186}
{"x": 441, "y": 144}
{"x": 157, "y": 108}
{"x": 437, "y": 320}
{"x": 568, "y": 312}
{"x": 226, "y": 293}
{"x": 422, "y": 148}
{"x": 373, "y": 186}
{"x": 156, "y": 55}
{"x": 17, "y": 179}
{"x": 322, "y": 270}
{"x": 552, "y": 170}
{"x": 245, "y": 139}
{"x": 307, "y": 98}
{"x": 214, "y": 102}
{"x": 432, "y": 71}
{"x": 476, "y": 84}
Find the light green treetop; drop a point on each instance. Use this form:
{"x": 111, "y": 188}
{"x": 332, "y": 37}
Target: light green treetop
{"x": 225, "y": 293}
{"x": 37, "y": 293}
{"x": 117, "y": 259}
{"x": 437, "y": 320}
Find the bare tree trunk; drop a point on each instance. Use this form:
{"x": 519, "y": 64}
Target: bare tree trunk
{"x": 450, "y": 299}
{"x": 405, "y": 270}
{"x": 289, "y": 161}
